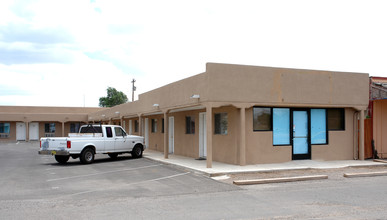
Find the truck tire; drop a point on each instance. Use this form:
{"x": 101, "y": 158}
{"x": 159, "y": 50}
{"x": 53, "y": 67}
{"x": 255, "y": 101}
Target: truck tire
{"x": 62, "y": 159}
{"x": 137, "y": 151}
{"x": 87, "y": 156}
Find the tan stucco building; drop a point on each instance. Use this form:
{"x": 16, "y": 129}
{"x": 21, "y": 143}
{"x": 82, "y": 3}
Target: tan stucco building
{"x": 240, "y": 114}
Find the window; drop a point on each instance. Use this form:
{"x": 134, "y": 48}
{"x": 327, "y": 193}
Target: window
{"x": 135, "y": 125}
{"x": 74, "y": 127}
{"x": 91, "y": 129}
{"x": 4, "y": 130}
{"x": 49, "y": 127}
{"x": 190, "y": 125}
{"x": 109, "y": 132}
{"x": 318, "y": 126}
{"x": 281, "y": 126}
{"x": 154, "y": 125}
{"x": 119, "y": 132}
{"x": 261, "y": 119}
{"x": 221, "y": 123}
{"x": 336, "y": 119}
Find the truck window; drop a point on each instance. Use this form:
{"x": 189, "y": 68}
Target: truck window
{"x": 119, "y": 132}
{"x": 109, "y": 132}
{"x": 91, "y": 129}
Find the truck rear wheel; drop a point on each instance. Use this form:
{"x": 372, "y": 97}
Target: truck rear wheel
{"x": 137, "y": 151}
{"x": 62, "y": 159}
{"x": 87, "y": 156}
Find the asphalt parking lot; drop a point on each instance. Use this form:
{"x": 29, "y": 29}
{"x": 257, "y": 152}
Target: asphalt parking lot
{"x": 27, "y": 175}
{"x": 37, "y": 187}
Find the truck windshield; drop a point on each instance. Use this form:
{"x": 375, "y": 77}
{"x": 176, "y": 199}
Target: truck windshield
{"x": 91, "y": 129}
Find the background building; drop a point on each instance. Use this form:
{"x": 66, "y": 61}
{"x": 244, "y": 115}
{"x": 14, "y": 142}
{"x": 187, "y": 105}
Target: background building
{"x": 242, "y": 115}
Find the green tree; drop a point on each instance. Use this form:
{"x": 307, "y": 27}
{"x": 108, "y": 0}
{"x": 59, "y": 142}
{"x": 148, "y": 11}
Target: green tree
{"x": 113, "y": 98}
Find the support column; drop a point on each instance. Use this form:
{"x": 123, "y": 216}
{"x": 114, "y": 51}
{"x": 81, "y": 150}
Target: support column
{"x": 209, "y": 135}
{"x": 242, "y": 144}
{"x": 361, "y": 135}
{"x": 63, "y": 129}
{"x": 121, "y": 119}
{"x": 166, "y": 137}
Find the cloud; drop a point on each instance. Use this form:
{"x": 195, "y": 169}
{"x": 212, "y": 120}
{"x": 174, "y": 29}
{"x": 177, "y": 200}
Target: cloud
{"x": 16, "y": 32}
{"x": 60, "y": 52}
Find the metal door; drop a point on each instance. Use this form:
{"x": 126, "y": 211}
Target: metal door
{"x": 34, "y": 131}
{"x": 202, "y": 135}
{"x": 20, "y": 131}
{"x": 171, "y": 134}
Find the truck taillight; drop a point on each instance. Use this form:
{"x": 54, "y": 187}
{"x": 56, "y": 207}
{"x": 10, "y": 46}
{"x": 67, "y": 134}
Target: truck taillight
{"x": 68, "y": 144}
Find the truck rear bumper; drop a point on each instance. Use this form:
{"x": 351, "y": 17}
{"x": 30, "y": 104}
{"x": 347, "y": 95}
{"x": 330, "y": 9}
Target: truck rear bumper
{"x": 54, "y": 152}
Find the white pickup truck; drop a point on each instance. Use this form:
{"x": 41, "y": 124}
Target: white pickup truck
{"x": 91, "y": 140}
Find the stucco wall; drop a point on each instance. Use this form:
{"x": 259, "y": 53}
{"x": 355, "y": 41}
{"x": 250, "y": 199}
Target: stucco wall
{"x": 340, "y": 146}
{"x": 259, "y": 145}
{"x": 156, "y": 139}
{"x": 186, "y": 144}
{"x": 225, "y": 147}
{"x": 268, "y": 86}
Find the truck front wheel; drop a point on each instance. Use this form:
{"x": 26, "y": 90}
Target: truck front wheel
{"x": 137, "y": 151}
{"x": 87, "y": 156}
{"x": 62, "y": 159}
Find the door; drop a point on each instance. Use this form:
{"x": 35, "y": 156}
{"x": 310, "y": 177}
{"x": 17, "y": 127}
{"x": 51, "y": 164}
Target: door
{"x": 120, "y": 143}
{"x": 202, "y": 135}
{"x": 301, "y": 146}
{"x": 171, "y": 134}
{"x": 20, "y": 131}
{"x": 130, "y": 127}
{"x": 146, "y": 133}
{"x": 34, "y": 131}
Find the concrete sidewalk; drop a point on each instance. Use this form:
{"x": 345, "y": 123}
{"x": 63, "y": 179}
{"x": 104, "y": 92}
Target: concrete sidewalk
{"x": 222, "y": 168}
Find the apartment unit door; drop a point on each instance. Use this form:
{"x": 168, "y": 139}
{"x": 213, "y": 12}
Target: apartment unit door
{"x": 202, "y": 135}
{"x": 34, "y": 131}
{"x": 301, "y": 143}
{"x": 171, "y": 135}
{"x": 20, "y": 131}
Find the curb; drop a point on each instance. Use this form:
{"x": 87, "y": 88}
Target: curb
{"x": 370, "y": 174}
{"x": 380, "y": 161}
{"x": 279, "y": 180}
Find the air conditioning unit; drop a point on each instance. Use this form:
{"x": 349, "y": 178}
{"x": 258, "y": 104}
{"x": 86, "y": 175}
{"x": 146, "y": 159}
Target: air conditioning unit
{"x": 49, "y": 134}
{"x": 4, "y": 135}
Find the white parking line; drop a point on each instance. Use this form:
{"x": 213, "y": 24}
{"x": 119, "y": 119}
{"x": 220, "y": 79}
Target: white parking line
{"x": 94, "y": 174}
{"x": 55, "y": 167}
{"x": 145, "y": 181}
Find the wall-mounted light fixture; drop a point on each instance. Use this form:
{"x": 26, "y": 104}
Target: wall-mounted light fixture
{"x": 156, "y": 105}
{"x": 117, "y": 113}
{"x": 195, "y": 96}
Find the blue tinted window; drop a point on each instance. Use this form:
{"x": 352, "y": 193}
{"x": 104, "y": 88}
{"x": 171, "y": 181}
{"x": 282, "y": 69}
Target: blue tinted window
{"x": 318, "y": 126}
{"x": 281, "y": 126}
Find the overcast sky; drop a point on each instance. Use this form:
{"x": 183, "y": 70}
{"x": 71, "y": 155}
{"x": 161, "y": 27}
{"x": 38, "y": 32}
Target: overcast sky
{"x": 67, "y": 52}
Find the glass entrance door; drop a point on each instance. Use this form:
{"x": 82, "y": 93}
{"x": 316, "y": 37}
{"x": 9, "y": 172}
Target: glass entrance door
{"x": 301, "y": 146}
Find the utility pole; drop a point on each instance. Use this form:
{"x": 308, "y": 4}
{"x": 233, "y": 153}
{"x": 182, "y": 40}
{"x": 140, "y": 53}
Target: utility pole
{"x": 133, "y": 89}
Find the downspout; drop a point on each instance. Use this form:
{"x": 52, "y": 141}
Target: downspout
{"x": 355, "y": 135}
